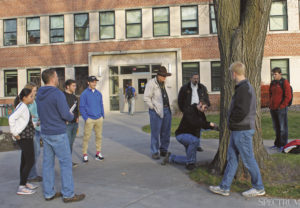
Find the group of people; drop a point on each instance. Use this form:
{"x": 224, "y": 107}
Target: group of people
{"x": 52, "y": 115}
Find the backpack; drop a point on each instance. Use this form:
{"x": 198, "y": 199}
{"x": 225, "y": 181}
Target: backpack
{"x": 281, "y": 83}
{"x": 129, "y": 93}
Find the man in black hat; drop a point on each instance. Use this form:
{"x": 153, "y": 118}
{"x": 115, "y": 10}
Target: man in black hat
{"x": 156, "y": 97}
{"x": 92, "y": 111}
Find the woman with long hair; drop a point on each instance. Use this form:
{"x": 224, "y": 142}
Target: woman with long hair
{"x": 22, "y": 129}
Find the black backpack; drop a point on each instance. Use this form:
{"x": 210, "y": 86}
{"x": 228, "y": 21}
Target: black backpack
{"x": 281, "y": 83}
{"x": 129, "y": 93}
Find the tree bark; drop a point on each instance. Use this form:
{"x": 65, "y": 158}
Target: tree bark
{"x": 242, "y": 27}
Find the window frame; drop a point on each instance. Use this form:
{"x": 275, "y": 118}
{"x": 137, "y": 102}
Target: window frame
{"x": 88, "y": 27}
{"x": 288, "y": 67}
{"x": 5, "y": 83}
{"x": 141, "y": 23}
{"x": 63, "y": 28}
{"x": 211, "y": 20}
{"x": 287, "y": 20}
{"x": 212, "y": 77}
{"x": 114, "y": 25}
{"x": 168, "y": 21}
{"x": 33, "y": 30}
{"x": 16, "y": 32}
{"x": 197, "y": 20}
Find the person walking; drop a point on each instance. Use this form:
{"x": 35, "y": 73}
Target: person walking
{"x": 156, "y": 97}
{"x": 72, "y": 126}
{"x": 280, "y": 95}
{"x": 130, "y": 95}
{"x": 54, "y": 111}
{"x": 190, "y": 94}
{"x": 92, "y": 111}
{"x": 22, "y": 129}
{"x": 241, "y": 120}
{"x": 33, "y": 175}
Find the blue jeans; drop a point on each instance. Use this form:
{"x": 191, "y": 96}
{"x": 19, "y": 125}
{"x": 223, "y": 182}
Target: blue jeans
{"x": 160, "y": 130}
{"x": 36, "y": 146}
{"x": 241, "y": 144}
{"x": 131, "y": 106}
{"x": 280, "y": 125}
{"x": 57, "y": 145}
{"x": 190, "y": 142}
{"x": 71, "y": 132}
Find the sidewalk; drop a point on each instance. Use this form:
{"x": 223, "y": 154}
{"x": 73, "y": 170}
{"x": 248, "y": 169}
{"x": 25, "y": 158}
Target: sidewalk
{"x": 127, "y": 177}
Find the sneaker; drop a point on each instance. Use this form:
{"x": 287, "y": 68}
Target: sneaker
{"x": 280, "y": 149}
{"x": 155, "y": 156}
{"x": 219, "y": 190}
{"x": 74, "y": 165}
{"x": 99, "y": 156}
{"x": 274, "y": 147}
{"x": 190, "y": 166}
{"x": 23, "y": 190}
{"x": 254, "y": 192}
{"x": 56, "y": 195}
{"x": 75, "y": 198}
{"x": 36, "y": 179}
{"x": 31, "y": 186}
{"x": 200, "y": 149}
{"x": 85, "y": 158}
{"x": 166, "y": 160}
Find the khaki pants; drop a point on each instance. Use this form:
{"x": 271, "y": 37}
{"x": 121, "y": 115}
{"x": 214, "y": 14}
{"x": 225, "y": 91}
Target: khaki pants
{"x": 91, "y": 124}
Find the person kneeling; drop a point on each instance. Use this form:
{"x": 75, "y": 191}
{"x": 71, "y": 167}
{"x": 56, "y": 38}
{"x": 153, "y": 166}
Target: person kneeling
{"x": 188, "y": 134}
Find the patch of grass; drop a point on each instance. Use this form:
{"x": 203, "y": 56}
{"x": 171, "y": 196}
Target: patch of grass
{"x": 281, "y": 177}
{"x": 266, "y": 123}
{"x": 3, "y": 121}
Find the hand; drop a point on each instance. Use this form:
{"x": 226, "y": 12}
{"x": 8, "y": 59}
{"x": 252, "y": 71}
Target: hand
{"x": 18, "y": 137}
{"x": 212, "y": 124}
{"x": 67, "y": 122}
{"x": 77, "y": 120}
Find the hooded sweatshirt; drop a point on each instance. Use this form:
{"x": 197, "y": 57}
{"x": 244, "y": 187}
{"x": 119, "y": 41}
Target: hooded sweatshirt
{"x": 53, "y": 110}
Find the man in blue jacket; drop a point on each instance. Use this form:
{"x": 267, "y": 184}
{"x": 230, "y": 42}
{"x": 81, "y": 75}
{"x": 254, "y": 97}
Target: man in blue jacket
{"x": 54, "y": 112}
{"x": 91, "y": 109}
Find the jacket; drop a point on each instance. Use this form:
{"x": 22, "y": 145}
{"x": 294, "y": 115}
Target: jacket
{"x": 91, "y": 104}
{"x": 53, "y": 110}
{"x": 242, "y": 110}
{"x": 19, "y": 119}
{"x": 71, "y": 100}
{"x": 277, "y": 101}
{"x": 153, "y": 97}
{"x": 192, "y": 121}
{"x": 185, "y": 95}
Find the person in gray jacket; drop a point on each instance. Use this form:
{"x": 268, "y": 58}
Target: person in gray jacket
{"x": 241, "y": 120}
{"x": 156, "y": 97}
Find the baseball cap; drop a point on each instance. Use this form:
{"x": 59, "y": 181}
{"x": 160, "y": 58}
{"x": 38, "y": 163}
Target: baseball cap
{"x": 92, "y": 78}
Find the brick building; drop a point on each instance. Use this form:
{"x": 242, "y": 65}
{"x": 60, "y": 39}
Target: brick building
{"x": 125, "y": 41}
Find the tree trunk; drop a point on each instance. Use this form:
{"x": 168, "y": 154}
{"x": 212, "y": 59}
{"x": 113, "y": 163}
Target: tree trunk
{"x": 242, "y": 27}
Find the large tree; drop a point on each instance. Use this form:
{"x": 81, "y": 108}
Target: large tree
{"x": 242, "y": 27}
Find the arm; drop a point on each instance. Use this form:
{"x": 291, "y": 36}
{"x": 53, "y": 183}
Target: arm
{"x": 148, "y": 95}
{"x": 196, "y": 121}
{"x": 82, "y": 105}
{"x": 206, "y": 97}
{"x": 287, "y": 94}
{"x": 181, "y": 99}
{"x": 101, "y": 104}
{"x": 13, "y": 118}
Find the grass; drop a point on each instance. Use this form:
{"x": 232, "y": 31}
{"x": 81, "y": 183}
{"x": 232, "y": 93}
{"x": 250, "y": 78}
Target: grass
{"x": 280, "y": 177}
{"x": 3, "y": 121}
{"x": 266, "y": 123}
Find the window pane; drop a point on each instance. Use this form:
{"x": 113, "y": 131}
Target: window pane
{"x": 114, "y": 103}
{"x": 215, "y": 76}
{"x": 33, "y": 36}
{"x": 188, "y": 69}
{"x": 33, "y": 23}
{"x": 161, "y": 29}
{"x": 57, "y": 33}
{"x": 212, "y": 12}
{"x": 114, "y": 85}
{"x": 278, "y": 23}
{"x": 189, "y": 24}
{"x": 161, "y": 14}
{"x": 278, "y": 8}
{"x": 34, "y": 75}
{"x": 189, "y": 13}
{"x": 61, "y": 78}
{"x": 81, "y": 20}
{"x": 81, "y": 75}
{"x": 107, "y": 18}
{"x": 57, "y": 22}
{"x": 10, "y": 25}
{"x": 113, "y": 70}
{"x": 214, "y": 27}
{"x": 134, "y": 31}
{"x": 281, "y": 63}
{"x": 107, "y": 32}
{"x": 81, "y": 33}
{"x": 10, "y": 39}
{"x": 11, "y": 83}
{"x": 133, "y": 17}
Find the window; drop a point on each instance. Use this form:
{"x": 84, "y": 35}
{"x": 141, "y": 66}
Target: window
{"x": 189, "y": 69}
{"x": 81, "y": 75}
{"x": 33, "y": 30}
{"x": 278, "y": 16}
{"x": 81, "y": 28}
{"x": 107, "y": 25}
{"x": 56, "y": 29}
{"x": 10, "y": 83}
{"x": 161, "y": 22}
{"x": 215, "y": 76}
{"x": 189, "y": 20}
{"x": 10, "y": 32}
{"x": 114, "y": 88}
{"x": 135, "y": 69}
{"x": 34, "y": 75}
{"x": 212, "y": 16}
{"x": 284, "y": 65}
{"x": 61, "y": 78}
{"x": 133, "y": 23}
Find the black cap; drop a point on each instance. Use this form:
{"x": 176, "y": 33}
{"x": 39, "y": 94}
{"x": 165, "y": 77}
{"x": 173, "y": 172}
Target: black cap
{"x": 92, "y": 78}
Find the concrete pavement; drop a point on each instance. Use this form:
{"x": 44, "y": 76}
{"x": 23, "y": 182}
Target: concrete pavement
{"x": 127, "y": 177}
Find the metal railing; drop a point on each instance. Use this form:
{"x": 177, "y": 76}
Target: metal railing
{"x": 6, "y": 110}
